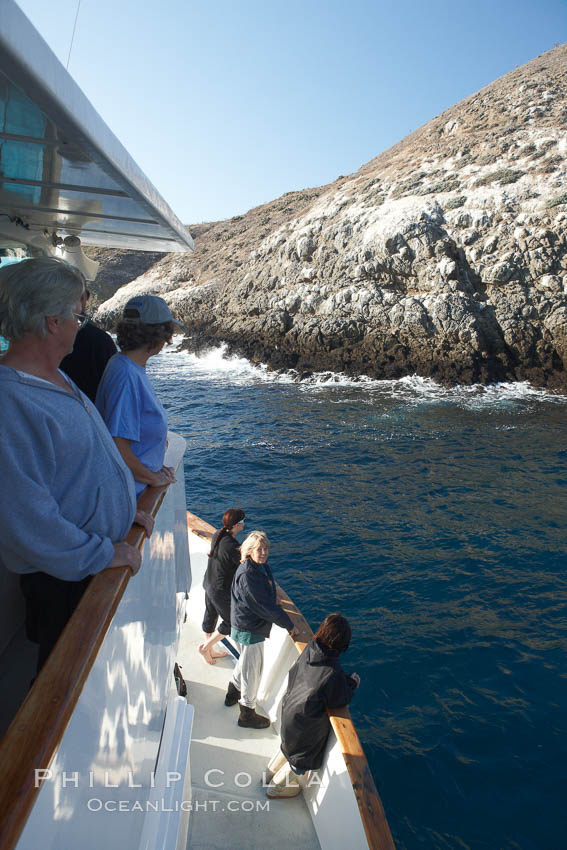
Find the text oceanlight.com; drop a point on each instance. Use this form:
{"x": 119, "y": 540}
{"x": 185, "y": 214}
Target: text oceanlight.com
{"x": 95, "y": 804}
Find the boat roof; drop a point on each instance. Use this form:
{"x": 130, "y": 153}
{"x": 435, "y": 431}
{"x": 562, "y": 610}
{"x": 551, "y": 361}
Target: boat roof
{"x": 62, "y": 170}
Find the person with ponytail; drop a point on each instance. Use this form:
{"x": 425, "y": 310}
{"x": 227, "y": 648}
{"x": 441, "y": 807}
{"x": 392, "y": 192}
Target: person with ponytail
{"x": 224, "y": 559}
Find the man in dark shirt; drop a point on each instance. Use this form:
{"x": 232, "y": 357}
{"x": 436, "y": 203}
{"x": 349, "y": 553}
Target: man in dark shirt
{"x": 92, "y": 350}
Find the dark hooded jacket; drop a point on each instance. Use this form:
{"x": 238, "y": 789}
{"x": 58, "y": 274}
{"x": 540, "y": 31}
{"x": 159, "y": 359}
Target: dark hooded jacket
{"x": 253, "y": 604}
{"x": 222, "y": 566}
{"x": 316, "y": 682}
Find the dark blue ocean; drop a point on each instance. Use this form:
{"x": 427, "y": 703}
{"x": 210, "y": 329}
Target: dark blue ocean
{"x": 435, "y": 520}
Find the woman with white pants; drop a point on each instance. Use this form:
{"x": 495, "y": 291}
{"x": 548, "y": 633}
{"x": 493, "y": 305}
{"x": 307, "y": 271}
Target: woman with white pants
{"x": 253, "y": 611}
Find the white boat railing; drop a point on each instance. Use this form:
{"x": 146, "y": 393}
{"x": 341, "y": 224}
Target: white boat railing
{"x": 33, "y": 739}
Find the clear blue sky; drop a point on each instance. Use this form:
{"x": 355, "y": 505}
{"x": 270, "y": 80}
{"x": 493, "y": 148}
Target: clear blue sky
{"x": 228, "y": 105}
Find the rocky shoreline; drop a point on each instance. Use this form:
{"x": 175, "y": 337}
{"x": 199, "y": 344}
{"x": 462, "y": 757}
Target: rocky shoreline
{"x": 445, "y": 256}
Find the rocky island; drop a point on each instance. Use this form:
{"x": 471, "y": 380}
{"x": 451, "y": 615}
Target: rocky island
{"x": 445, "y": 256}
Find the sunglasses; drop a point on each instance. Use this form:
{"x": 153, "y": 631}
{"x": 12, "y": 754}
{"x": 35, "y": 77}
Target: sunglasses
{"x": 82, "y": 319}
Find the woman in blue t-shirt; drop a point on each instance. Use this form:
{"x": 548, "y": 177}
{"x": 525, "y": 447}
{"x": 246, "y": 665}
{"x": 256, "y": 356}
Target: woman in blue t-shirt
{"x": 125, "y": 397}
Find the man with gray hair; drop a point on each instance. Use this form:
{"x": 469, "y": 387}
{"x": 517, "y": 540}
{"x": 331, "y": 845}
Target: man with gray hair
{"x": 67, "y": 499}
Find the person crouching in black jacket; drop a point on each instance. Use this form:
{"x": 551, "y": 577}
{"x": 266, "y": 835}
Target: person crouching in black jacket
{"x": 316, "y": 682}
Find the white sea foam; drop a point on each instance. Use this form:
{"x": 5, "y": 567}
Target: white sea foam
{"x": 473, "y": 396}
{"x": 215, "y": 365}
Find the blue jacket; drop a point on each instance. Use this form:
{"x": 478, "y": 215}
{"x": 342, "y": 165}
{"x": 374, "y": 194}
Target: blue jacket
{"x": 66, "y": 493}
{"x": 253, "y": 601}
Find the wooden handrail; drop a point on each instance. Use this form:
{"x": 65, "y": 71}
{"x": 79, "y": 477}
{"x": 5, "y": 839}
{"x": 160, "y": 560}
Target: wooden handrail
{"x": 370, "y": 806}
{"x": 36, "y": 731}
{"x": 199, "y": 526}
{"x": 368, "y": 799}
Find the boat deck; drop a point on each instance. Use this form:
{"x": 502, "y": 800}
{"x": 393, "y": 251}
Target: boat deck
{"x": 230, "y": 807}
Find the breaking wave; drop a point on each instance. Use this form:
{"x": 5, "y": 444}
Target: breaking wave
{"x": 215, "y": 365}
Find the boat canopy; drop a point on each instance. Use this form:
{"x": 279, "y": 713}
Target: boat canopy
{"x": 62, "y": 171}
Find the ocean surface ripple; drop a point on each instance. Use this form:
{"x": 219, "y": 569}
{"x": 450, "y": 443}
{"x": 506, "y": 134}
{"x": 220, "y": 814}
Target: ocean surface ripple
{"x": 434, "y": 519}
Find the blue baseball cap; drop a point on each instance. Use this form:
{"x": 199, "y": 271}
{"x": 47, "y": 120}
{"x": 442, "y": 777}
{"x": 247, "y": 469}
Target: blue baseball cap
{"x": 149, "y": 309}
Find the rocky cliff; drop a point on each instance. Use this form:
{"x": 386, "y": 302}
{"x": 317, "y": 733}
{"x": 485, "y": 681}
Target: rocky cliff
{"x": 445, "y": 256}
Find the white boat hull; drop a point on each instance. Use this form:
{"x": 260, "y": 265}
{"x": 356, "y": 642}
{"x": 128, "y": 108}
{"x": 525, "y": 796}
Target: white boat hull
{"x": 99, "y": 785}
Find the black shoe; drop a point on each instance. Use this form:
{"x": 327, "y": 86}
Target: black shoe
{"x": 251, "y": 720}
{"x": 232, "y": 695}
